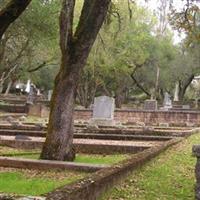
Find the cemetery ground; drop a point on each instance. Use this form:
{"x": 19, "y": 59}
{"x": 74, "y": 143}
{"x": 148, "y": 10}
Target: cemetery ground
{"x": 105, "y": 155}
{"x": 168, "y": 176}
{"x": 132, "y": 143}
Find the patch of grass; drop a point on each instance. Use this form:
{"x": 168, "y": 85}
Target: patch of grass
{"x": 86, "y": 158}
{"x": 18, "y": 183}
{"x": 100, "y": 159}
{"x": 80, "y": 158}
{"x": 13, "y": 151}
{"x": 33, "y": 119}
{"x": 169, "y": 176}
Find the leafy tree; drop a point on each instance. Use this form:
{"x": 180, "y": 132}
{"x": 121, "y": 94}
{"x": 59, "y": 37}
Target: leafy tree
{"x": 27, "y": 44}
{"x": 10, "y": 12}
{"x": 75, "y": 48}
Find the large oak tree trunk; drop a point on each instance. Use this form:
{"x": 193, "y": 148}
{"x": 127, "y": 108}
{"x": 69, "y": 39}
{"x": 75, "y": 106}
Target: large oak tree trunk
{"x": 10, "y": 13}
{"x": 75, "y": 49}
{"x": 58, "y": 144}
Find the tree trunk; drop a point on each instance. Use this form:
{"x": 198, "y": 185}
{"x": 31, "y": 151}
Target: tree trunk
{"x": 156, "y": 94}
{"x": 58, "y": 144}
{"x": 75, "y": 49}
{"x": 183, "y": 86}
{"x": 10, "y": 13}
{"x": 8, "y": 88}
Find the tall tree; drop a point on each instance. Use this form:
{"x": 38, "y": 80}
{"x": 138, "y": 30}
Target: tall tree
{"x": 75, "y": 48}
{"x": 10, "y": 13}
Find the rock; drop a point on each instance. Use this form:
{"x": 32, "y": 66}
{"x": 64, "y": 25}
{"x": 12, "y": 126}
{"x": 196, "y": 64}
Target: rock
{"x": 10, "y": 119}
{"x": 148, "y": 128}
{"x": 15, "y": 123}
{"x": 140, "y": 124}
{"x": 40, "y": 125}
{"x": 22, "y": 137}
{"x": 79, "y": 107}
{"x": 22, "y": 118}
{"x": 164, "y": 125}
{"x": 120, "y": 127}
{"x": 92, "y": 127}
{"x": 188, "y": 124}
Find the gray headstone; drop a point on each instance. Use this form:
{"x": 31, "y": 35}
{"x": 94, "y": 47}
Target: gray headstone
{"x": 186, "y": 106}
{"x": 150, "y": 105}
{"x": 31, "y": 96}
{"x": 167, "y": 101}
{"x": 104, "y": 107}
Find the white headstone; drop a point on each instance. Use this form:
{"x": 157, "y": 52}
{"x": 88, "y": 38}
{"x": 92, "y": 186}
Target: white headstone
{"x": 176, "y": 98}
{"x": 28, "y": 86}
{"x": 167, "y": 101}
{"x": 49, "y": 94}
{"x": 104, "y": 107}
{"x": 38, "y": 92}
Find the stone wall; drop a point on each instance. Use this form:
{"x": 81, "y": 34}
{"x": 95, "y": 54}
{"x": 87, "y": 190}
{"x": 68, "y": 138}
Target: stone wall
{"x": 181, "y": 118}
{"x": 13, "y": 108}
{"x": 173, "y": 117}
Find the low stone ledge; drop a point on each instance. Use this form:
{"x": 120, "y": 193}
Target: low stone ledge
{"x": 196, "y": 152}
{"x": 17, "y": 197}
{"x": 34, "y": 127}
{"x": 48, "y": 164}
{"x": 80, "y": 147}
{"x": 22, "y": 144}
{"x": 93, "y": 186}
{"x": 32, "y": 133}
{"x": 108, "y": 149}
{"x": 14, "y": 108}
{"x": 122, "y": 137}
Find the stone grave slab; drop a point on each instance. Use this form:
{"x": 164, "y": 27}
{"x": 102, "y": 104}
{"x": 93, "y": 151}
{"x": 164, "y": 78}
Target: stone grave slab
{"x": 103, "y": 111}
{"x": 150, "y": 105}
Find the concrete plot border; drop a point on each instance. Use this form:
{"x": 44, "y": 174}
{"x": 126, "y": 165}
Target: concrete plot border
{"x": 48, "y": 164}
{"x": 91, "y": 187}
{"x": 80, "y": 147}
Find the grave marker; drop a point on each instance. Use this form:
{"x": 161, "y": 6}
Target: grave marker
{"x": 103, "y": 111}
{"x": 150, "y": 105}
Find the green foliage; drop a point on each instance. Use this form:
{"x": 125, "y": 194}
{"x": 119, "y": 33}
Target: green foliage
{"x": 31, "y": 40}
{"x": 122, "y": 44}
{"x": 187, "y": 19}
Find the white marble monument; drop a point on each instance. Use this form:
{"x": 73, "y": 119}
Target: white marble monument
{"x": 167, "y": 101}
{"x": 50, "y": 92}
{"x": 176, "y": 98}
{"x": 103, "y": 111}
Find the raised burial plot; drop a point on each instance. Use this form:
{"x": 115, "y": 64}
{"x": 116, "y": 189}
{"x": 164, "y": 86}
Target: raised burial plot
{"x": 135, "y": 149}
{"x": 30, "y": 176}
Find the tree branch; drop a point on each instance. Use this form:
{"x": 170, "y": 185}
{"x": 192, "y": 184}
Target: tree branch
{"x": 10, "y": 13}
{"x": 140, "y": 86}
{"x": 91, "y": 20}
